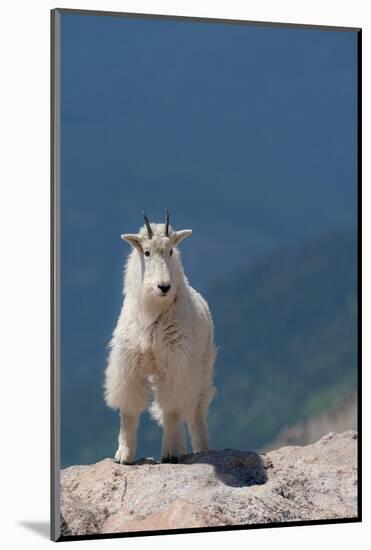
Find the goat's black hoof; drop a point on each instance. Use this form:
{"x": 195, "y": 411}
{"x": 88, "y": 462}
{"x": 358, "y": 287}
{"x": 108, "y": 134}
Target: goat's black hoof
{"x": 170, "y": 460}
{"x": 123, "y": 462}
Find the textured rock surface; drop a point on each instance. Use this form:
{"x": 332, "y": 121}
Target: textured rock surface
{"x": 216, "y": 488}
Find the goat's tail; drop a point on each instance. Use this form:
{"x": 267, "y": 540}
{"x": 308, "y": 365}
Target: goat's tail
{"x": 156, "y": 413}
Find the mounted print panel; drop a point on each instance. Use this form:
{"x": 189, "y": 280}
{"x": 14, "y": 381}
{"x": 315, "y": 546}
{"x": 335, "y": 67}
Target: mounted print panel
{"x": 205, "y": 278}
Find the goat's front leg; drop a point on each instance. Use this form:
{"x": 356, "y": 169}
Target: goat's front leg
{"x": 173, "y": 442}
{"x": 127, "y": 438}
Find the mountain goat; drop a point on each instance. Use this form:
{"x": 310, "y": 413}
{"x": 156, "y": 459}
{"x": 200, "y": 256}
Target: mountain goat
{"x": 163, "y": 345}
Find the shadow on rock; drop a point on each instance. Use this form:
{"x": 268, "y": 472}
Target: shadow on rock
{"x": 232, "y": 467}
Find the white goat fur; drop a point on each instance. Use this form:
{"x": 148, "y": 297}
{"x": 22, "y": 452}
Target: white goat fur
{"x": 162, "y": 346}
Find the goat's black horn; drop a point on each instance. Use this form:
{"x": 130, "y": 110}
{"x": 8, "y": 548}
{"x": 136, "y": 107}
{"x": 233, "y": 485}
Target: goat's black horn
{"x": 149, "y": 229}
{"x": 167, "y": 223}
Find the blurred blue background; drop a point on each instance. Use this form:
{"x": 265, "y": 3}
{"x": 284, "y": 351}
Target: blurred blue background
{"x": 248, "y": 135}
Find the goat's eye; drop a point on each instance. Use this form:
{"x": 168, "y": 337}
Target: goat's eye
{"x": 171, "y": 252}
{"x": 147, "y": 253}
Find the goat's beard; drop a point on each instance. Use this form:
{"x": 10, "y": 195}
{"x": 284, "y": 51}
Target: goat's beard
{"x": 155, "y": 304}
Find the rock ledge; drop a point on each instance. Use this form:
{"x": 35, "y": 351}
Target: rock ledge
{"x": 217, "y": 488}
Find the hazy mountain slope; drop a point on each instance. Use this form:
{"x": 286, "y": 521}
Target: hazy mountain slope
{"x": 287, "y": 335}
{"x": 342, "y": 416}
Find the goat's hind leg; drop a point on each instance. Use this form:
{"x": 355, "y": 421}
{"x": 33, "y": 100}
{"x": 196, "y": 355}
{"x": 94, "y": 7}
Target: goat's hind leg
{"x": 197, "y": 423}
{"x": 173, "y": 441}
{"x": 197, "y": 427}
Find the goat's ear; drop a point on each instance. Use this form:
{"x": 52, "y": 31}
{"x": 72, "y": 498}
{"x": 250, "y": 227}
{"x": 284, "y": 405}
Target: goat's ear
{"x": 134, "y": 240}
{"x": 179, "y": 236}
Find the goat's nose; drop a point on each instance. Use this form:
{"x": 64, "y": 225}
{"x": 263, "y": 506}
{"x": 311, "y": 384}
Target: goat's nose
{"x": 164, "y": 288}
